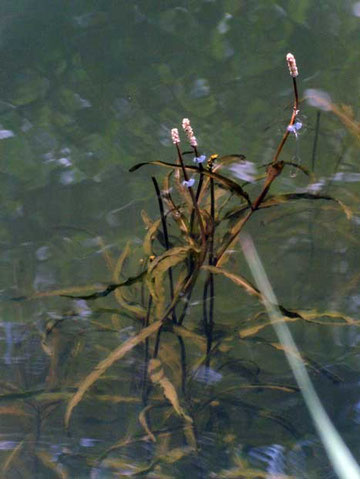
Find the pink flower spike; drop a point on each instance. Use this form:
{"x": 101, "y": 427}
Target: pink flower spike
{"x": 175, "y": 136}
{"x": 186, "y": 124}
{"x": 193, "y": 141}
{"x": 189, "y": 132}
{"x": 292, "y": 65}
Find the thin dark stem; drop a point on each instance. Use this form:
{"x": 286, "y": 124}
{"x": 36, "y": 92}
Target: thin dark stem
{"x": 166, "y": 238}
{"x": 316, "y": 138}
{"x": 191, "y": 191}
{"x": 296, "y": 106}
{"x": 192, "y": 217}
{"x": 212, "y": 214}
{"x": 198, "y": 191}
{"x": 211, "y": 276}
{"x": 208, "y": 316}
{"x": 186, "y": 305}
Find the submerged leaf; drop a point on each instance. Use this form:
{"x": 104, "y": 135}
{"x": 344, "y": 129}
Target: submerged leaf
{"x": 174, "y": 210}
{"x": 106, "y": 363}
{"x": 48, "y": 460}
{"x": 110, "y": 288}
{"x": 175, "y": 454}
{"x": 143, "y": 422}
{"x": 250, "y": 331}
{"x": 157, "y": 376}
{"x": 236, "y": 278}
{"x": 13, "y": 410}
{"x": 148, "y": 240}
{"x": 12, "y": 457}
{"x": 271, "y": 201}
{"x": 157, "y": 270}
{"x": 223, "y": 180}
{"x": 120, "y": 294}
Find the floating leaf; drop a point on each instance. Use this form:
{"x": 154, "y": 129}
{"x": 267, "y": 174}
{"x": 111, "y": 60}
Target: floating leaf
{"x": 106, "y": 363}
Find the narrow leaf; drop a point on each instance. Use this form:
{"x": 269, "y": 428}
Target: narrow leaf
{"x": 143, "y": 422}
{"x": 223, "y": 180}
{"x": 105, "y": 364}
{"x": 157, "y": 270}
{"x": 157, "y": 376}
{"x": 148, "y": 240}
{"x": 236, "y": 278}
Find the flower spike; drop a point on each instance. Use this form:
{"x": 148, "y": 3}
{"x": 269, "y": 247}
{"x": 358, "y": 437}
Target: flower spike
{"x": 175, "y": 136}
{"x": 292, "y": 65}
{"x": 189, "y": 132}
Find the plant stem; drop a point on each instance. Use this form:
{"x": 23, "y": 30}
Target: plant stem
{"x": 191, "y": 191}
{"x": 166, "y": 239}
{"x": 292, "y": 121}
{"x": 274, "y": 170}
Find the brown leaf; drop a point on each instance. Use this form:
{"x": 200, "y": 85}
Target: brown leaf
{"x": 106, "y": 363}
{"x": 143, "y": 422}
{"x": 157, "y": 376}
{"x": 237, "y": 279}
{"x": 157, "y": 270}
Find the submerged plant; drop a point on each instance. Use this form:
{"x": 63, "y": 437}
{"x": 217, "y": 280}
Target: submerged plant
{"x": 202, "y": 213}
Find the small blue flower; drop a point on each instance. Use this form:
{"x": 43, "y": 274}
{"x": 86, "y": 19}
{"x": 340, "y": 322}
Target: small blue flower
{"x": 199, "y": 159}
{"x": 189, "y": 183}
{"x": 295, "y": 128}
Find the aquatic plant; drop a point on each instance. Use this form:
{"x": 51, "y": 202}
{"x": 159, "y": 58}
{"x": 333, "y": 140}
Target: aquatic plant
{"x": 202, "y": 213}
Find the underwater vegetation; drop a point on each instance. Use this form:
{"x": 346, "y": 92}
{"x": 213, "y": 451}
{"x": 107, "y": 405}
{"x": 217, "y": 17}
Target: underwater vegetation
{"x": 192, "y": 377}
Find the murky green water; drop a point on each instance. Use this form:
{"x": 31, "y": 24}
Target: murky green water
{"x": 88, "y": 89}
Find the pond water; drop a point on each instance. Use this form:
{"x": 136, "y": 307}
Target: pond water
{"x": 91, "y": 88}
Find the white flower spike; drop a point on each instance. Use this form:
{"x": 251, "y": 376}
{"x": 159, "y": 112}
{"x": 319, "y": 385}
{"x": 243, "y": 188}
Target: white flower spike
{"x": 292, "y": 65}
{"x": 175, "y": 136}
{"x": 189, "y": 132}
